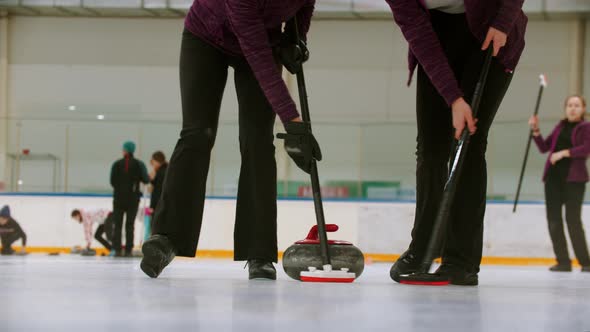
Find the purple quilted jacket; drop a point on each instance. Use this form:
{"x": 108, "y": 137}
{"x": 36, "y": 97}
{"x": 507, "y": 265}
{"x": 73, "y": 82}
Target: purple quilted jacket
{"x": 251, "y": 28}
{"x": 414, "y": 20}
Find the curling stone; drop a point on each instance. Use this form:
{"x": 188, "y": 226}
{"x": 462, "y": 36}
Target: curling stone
{"x": 306, "y": 253}
{"x": 88, "y": 252}
{"x": 76, "y": 250}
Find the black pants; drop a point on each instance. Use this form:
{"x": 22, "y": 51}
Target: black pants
{"x": 100, "y": 236}
{"x": 557, "y": 194}
{"x": 7, "y": 240}
{"x": 129, "y": 211}
{"x": 464, "y": 235}
{"x": 203, "y": 75}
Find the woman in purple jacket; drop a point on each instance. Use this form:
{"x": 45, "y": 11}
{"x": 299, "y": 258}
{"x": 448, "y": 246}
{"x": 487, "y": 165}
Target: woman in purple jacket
{"x": 446, "y": 39}
{"x": 218, "y": 34}
{"x": 565, "y": 180}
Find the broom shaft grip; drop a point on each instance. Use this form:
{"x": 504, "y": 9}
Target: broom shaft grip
{"x": 446, "y": 204}
{"x": 315, "y": 180}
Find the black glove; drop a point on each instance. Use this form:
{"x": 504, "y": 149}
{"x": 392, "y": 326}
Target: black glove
{"x": 301, "y": 145}
{"x": 293, "y": 55}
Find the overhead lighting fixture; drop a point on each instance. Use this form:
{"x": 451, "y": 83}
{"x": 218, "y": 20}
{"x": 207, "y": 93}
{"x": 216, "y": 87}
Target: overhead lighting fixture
{"x": 100, "y": 117}
{"x": 20, "y": 182}
{"x": 72, "y": 107}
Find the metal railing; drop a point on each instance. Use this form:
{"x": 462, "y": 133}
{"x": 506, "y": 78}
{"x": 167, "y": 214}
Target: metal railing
{"x": 361, "y": 161}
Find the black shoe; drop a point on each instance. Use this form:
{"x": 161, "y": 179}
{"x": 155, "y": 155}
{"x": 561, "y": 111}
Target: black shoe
{"x": 457, "y": 275}
{"x": 260, "y": 269}
{"x": 158, "y": 252}
{"x": 586, "y": 268}
{"x": 561, "y": 268}
{"x": 118, "y": 254}
{"x": 128, "y": 254}
{"x": 408, "y": 263}
{"x": 7, "y": 251}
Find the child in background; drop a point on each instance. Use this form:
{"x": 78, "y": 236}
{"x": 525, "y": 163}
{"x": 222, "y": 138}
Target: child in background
{"x": 104, "y": 231}
{"x": 10, "y": 232}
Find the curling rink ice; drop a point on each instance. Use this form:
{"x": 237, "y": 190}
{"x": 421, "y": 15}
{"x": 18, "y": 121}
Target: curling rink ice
{"x": 72, "y": 293}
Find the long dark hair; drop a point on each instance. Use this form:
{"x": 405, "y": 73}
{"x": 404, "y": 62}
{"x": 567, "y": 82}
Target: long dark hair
{"x": 77, "y": 213}
{"x": 160, "y": 157}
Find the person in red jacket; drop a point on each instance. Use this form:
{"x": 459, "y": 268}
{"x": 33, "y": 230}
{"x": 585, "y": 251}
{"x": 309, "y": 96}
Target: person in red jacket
{"x": 447, "y": 39}
{"x": 241, "y": 34}
{"x": 565, "y": 178}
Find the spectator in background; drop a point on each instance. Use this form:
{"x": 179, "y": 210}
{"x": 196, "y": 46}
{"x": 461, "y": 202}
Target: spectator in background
{"x": 104, "y": 231}
{"x": 10, "y": 232}
{"x": 127, "y": 174}
{"x": 157, "y": 174}
{"x": 565, "y": 180}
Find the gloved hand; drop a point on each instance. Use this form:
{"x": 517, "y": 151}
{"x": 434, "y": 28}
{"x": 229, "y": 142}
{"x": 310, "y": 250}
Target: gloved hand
{"x": 301, "y": 145}
{"x": 293, "y": 55}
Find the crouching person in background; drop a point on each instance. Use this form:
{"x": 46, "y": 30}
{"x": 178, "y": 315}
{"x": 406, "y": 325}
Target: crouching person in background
{"x": 10, "y": 232}
{"x": 104, "y": 231}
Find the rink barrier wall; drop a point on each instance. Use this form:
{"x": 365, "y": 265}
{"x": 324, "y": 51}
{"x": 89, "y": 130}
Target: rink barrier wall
{"x": 380, "y": 228}
{"x": 369, "y": 258}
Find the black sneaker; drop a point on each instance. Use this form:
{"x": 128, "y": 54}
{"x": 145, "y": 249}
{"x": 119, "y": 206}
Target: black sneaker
{"x": 561, "y": 268}
{"x": 408, "y": 263}
{"x": 586, "y": 268}
{"x": 158, "y": 252}
{"x": 260, "y": 269}
{"x": 7, "y": 251}
{"x": 457, "y": 275}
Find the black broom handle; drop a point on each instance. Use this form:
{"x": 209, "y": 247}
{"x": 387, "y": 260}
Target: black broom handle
{"x": 440, "y": 223}
{"x": 528, "y": 145}
{"x": 315, "y": 180}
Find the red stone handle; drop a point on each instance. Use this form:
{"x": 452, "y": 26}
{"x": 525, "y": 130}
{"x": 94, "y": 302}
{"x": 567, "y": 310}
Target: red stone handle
{"x": 313, "y": 232}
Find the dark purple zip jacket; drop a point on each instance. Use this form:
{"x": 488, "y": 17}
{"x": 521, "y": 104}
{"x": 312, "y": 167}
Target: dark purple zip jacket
{"x": 414, "y": 20}
{"x": 578, "y": 153}
{"x": 252, "y": 28}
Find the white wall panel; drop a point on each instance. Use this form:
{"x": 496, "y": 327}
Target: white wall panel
{"x": 376, "y": 228}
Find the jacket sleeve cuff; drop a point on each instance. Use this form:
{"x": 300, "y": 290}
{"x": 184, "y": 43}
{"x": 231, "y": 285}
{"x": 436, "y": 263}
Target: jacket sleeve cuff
{"x": 452, "y": 95}
{"x": 507, "y": 15}
{"x": 540, "y": 142}
{"x": 582, "y": 150}
{"x": 579, "y": 152}
{"x": 504, "y": 26}
{"x": 288, "y": 113}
